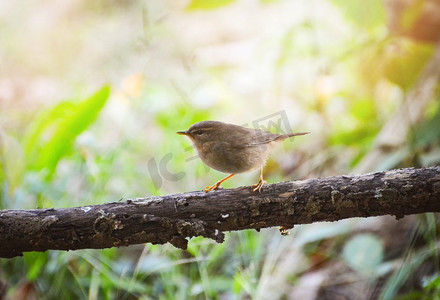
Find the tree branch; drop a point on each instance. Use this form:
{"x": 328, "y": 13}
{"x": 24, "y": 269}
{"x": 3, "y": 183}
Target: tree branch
{"x": 174, "y": 218}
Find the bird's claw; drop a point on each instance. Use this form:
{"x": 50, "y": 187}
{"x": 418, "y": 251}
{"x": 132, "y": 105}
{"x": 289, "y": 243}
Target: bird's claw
{"x": 258, "y": 186}
{"x": 211, "y": 188}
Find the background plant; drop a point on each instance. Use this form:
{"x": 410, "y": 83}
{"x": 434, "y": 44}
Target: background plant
{"x": 338, "y": 69}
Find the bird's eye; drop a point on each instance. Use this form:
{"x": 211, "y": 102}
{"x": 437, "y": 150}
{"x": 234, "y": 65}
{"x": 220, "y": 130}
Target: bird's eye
{"x": 199, "y": 132}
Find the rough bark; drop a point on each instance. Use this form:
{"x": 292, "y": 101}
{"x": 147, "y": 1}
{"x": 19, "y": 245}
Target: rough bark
{"x": 174, "y": 218}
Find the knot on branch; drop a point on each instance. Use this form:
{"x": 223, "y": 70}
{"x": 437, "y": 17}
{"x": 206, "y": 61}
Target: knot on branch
{"x": 197, "y": 227}
{"x": 175, "y": 231}
{"x": 104, "y": 223}
{"x": 189, "y": 228}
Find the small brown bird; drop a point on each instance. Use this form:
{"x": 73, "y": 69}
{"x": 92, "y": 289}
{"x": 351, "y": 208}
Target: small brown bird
{"x": 233, "y": 149}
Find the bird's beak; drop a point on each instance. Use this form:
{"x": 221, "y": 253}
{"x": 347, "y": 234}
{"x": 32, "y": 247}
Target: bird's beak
{"x": 182, "y": 132}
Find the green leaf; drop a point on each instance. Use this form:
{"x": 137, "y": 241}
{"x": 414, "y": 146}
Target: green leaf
{"x": 364, "y": 14}
{"x": 63, "y": 124}
{"x": 319, "y": 231}
{"x": 35, "y": 262}
{"x": 404, "y": 65}
{"x": 431, "y": 282}
{"x": 363, "y": 253}
{"x": 43, "y": 125}
{"x": 237, "y": 283}
{"x": 407, "y": 268}
{"x": 207, "y": 4}
{"x": 194, "y": 245}
{"x": 428, "y": 133}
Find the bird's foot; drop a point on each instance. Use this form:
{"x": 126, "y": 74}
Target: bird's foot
{"x": 217, "y": 184}
{"x": 258, "y": 186}
{"x": 212, "y": 187}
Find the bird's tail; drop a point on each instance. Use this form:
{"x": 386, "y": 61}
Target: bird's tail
{"x": 295, "y": 134}
{"x": 285, "y": 136}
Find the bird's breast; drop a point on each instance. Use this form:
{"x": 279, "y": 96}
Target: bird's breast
{"x": 225, "y": 158}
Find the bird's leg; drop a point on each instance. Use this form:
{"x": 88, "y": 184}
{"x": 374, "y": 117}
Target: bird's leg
{"x": 259, "y": 184}
{"x": 217, "y": 184}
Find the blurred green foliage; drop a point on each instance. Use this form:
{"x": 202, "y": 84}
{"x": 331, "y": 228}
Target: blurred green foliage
{"x": 364, "y": 253}
{"x": 48, "y": 139}
{"x": 53, "y": 134}
{"x": 404, "y": 66}
{"x": 366, "y": 15}
{"x": 340, "y": 75}
{"x": 210, "y": 4}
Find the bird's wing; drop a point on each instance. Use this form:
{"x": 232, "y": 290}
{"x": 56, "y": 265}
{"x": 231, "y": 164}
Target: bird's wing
{"x": 259, "y": 137}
